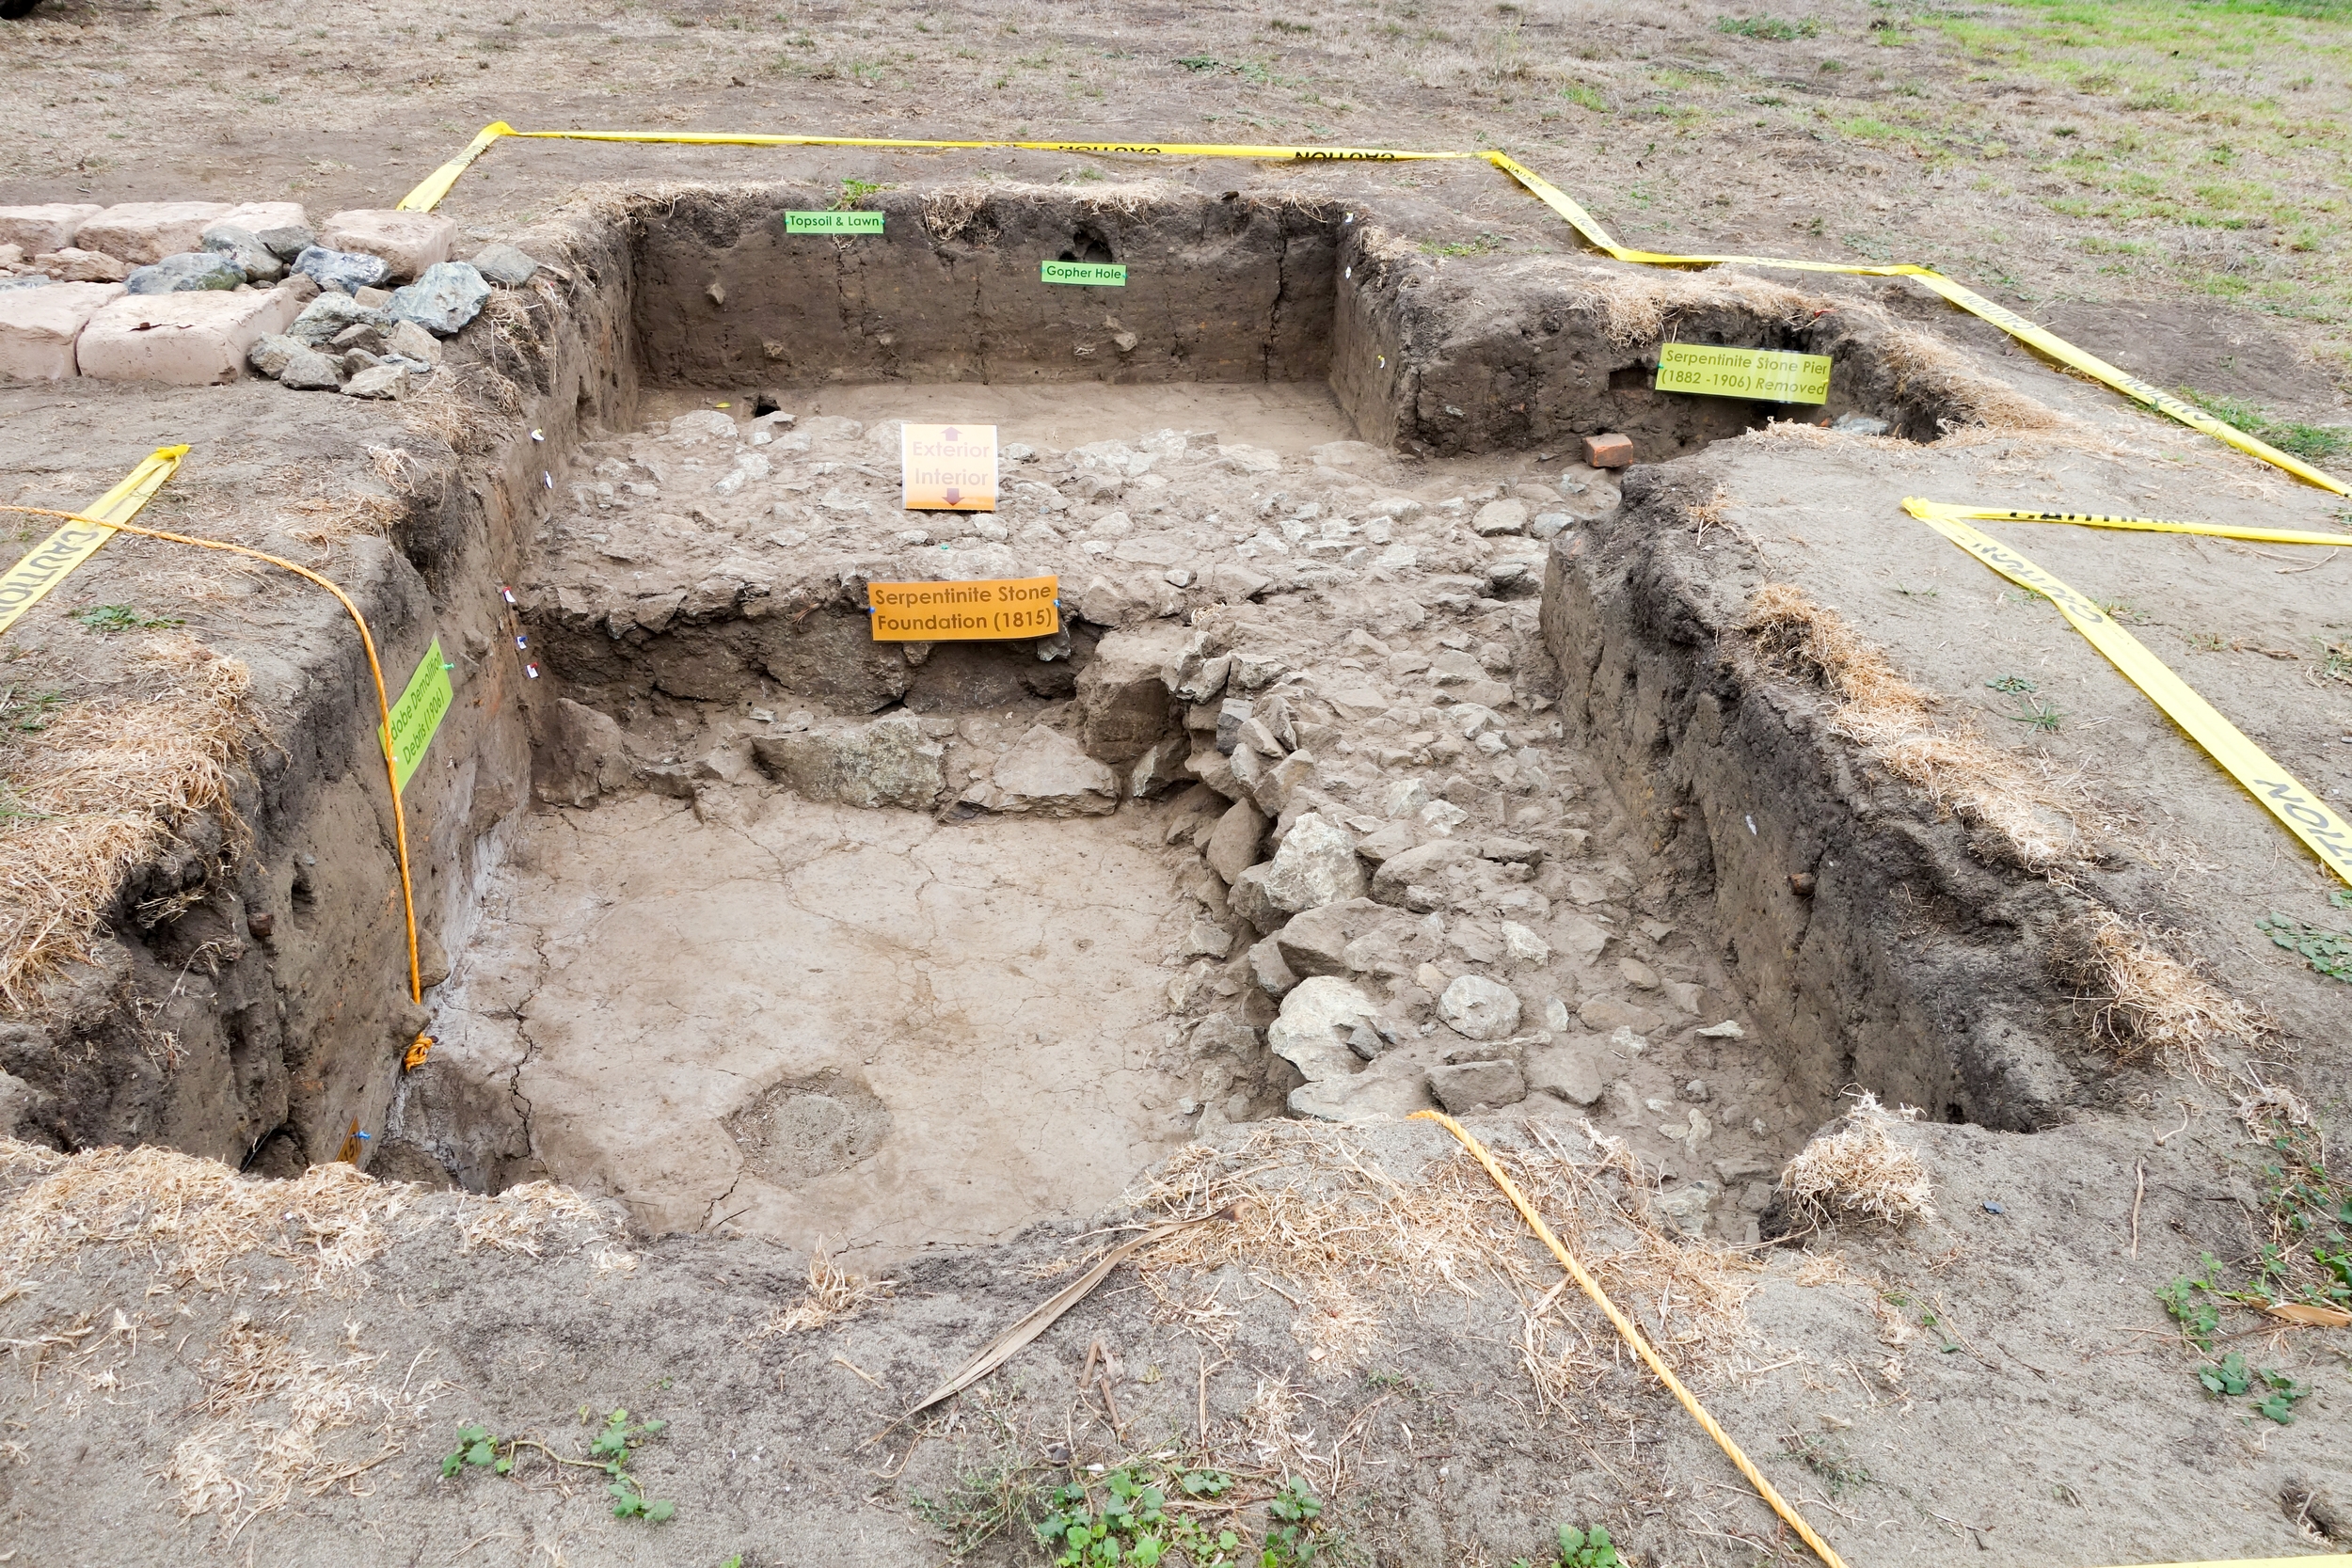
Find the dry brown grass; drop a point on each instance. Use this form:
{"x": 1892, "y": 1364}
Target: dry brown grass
{"x": 1859, "y": 1171}
{"x": 1927, "y": 368}
{"x": 200, "y": 1223}
{"x": 1355, "y": 1245}
{"x": 104, "y": 788}
{"x": 2146, "y": 1001}
{"x": 2033, "y": 820}
{"x": 834, "y": 1294}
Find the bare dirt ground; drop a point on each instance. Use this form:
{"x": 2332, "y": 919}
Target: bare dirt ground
{"x": 260, "y": 1372}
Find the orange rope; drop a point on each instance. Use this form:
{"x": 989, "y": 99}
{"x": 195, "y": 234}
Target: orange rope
{"x": 1634, "y": 1337}
{"x": 375, "y": 670}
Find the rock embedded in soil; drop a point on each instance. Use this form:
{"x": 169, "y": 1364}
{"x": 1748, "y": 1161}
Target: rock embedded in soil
{"x": 1566, "y": 1072}
{"x": 305, "y": 369}
{"x": 1478, "y": 1009}
{"x": 378, "y": 381}
{"x": 1233, "y": 844}
{"x": 1311, "y": 1034}
{"x": 82, "y": 266}
{"x": 185, "y": 339}
{"x": 1471, "y": 1087}
{"x": 196, "y": 270}
{"x": 258, "y": 264}
{"x": 341, "y": 272}
{"x": 889, "y": 762}
{"x": 1045, "y": 774}
{"x": 1315, "y": 865}
{"x": 445, "y": 296}
{"x": 330, "y": 315}
{"x": 145, "y": 231}
{"x": 504, "y": 265}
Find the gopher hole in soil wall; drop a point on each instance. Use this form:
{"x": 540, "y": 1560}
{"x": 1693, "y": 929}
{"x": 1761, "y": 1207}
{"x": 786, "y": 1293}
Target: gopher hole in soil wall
{"x": 891, "y": 945}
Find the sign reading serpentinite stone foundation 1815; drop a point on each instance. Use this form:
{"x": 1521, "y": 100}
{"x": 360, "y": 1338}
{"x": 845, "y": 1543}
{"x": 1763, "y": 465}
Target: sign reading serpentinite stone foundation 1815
{"x": 948, "y": 468}
{"x": 965, "y": 611}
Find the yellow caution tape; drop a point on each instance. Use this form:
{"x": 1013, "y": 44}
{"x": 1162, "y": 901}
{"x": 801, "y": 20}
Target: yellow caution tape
{"x": 2306, "y": 815}
{"x": 1969, "y": 300}
{"x": 54, "y": 559}
{"x": 2144, "y": 525}
{"x": 430, "y": 193}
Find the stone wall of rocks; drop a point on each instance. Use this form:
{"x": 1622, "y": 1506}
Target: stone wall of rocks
{"x": 197, "y": 293}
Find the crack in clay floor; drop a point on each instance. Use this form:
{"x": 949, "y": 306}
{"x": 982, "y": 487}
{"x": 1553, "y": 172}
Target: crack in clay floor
{"x": 999, "y": 988}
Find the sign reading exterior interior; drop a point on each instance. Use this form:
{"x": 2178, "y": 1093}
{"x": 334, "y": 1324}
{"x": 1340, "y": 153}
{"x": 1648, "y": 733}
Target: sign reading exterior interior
{"x": 965, "y": 611}
{"x": 948, "y": 468}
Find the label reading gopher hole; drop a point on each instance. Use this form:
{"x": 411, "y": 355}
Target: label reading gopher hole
{"x": 1762, "y": 374}
{"x": 947, "y": 467}
{"x": 965, "y": 611}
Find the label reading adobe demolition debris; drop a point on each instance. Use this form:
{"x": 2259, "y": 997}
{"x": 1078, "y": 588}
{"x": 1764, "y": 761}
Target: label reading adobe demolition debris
{"x": 1764, "y": 374}
{"x": 1112, "y": 275}
{"x": 832, "y": 223}
{"x": 965, "y": 611}
{"x": 418, "y": 714}
{"x": 947, "y": 467}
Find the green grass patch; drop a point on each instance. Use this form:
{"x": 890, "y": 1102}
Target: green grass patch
{"x": 1771, "y": 28}
{"x": 2314, "y": 443}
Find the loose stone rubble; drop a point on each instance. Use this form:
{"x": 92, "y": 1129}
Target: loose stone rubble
{"x": 53, "y": 325}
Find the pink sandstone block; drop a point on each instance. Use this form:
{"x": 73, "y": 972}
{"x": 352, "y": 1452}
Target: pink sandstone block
{"x": 408, "y": 242}
{"x": 144, "y": 231}
{"x": 184, "y": 339}
{"x": 49, "y": 227}
{"x": 38, "y": 327}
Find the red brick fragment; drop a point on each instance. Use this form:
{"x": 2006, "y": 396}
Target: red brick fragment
{"x": 1608, "y": 451}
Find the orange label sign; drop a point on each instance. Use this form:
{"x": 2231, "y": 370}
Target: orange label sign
{"x": 948, "y": 468}
{"x": 965, "y": 611}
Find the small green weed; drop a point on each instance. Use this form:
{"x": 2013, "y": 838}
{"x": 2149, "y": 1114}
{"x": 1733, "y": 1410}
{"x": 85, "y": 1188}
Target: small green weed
{"x": 609, "y": 1452}
{"x": 2336, "y": 662}
{"x": 1200, "y": 62}
{"x": 1578, "y": 1549}
{"x": 2313, "y": 442}
{"x": 1295, "y": 1534}
{"x": 2123, "y": 612}
{"x": 29, "y": 714}
{"x": 2227, "y": 1377}
{"x": 2008, "y": 682}
{"x": 107, "y": 619}
{"x": 981, "y": 1505}
{"x": 2279, "y": 1405}
{"x": 1481, "y": 245}
{"x": 1584, "y": 97}
{"x": 855, "y": 191}
{"x": 1919, "y": 592}
{"x": 2208, "y": 643}
{"x": 1839, "y": 1471}
{"x": 2040, "y": 713}
{"x": 1136, "y": 1521}
{"x": 1768, "y": 27}
{"x": 2329, "y": 953}
{"x": 2190, "y": 1301}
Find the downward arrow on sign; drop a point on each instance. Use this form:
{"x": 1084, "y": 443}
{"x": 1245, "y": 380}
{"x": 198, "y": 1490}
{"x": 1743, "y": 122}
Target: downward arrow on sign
{"x": 954, "y": 495}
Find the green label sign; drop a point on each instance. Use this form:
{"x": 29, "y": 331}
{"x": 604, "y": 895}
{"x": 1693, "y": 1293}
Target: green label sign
{"x": 1084, "y": 272}
{"x": 832, "y": 223}
{"x": 418, "y": 714}
{"x": 1764, "y": 374}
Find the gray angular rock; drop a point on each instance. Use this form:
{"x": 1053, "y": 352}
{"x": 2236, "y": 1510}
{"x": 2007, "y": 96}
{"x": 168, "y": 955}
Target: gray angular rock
{"x": 576, "y": 754}
{"x": 1315, "y": 942}
{"x": 1274, "y": 977}
{"x": 1248, "y": 901}
{"x": 1567, "y": 1074}
{"x": 286, "y": 241}
{"x": 1505, "y": 517}
{"x": 271, "y": 353}
{"x": 1315, "y": 865}
{"x": 185, "y": 273}
{"x": 378, "y": 381}
{"x": 1312, "y": 1034}
{"x": 1477, "y": 1087}
{"x": 445, "y": 296}
{"x": 1123, "y": 694}
{"x": 341, "y": 271}
{"x": 245, "y": 247}
{"x": 504, "y": 265}
{"x": 1605, "y": 1013}
{"x": 329, "y": 316}
{"x": 1233, "y": 844}
{"x": 1045, "y": 774}
{"x": 307, "y": 370}
{"x": 1479, "y": 1008}
{"x": 25, "y": 280}
{"x": 889, "y": 762}
{"x": 1400, "y": 873}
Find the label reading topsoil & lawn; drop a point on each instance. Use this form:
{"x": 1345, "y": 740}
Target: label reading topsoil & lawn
{"x": 832, "y": 223}
{"x": 947, "y": 467}
{"x": 1110, "y": 273}
{"x": 965, "y": 611}
{"x": 1764, "y": 374}
{"x": 418, "y": 714}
